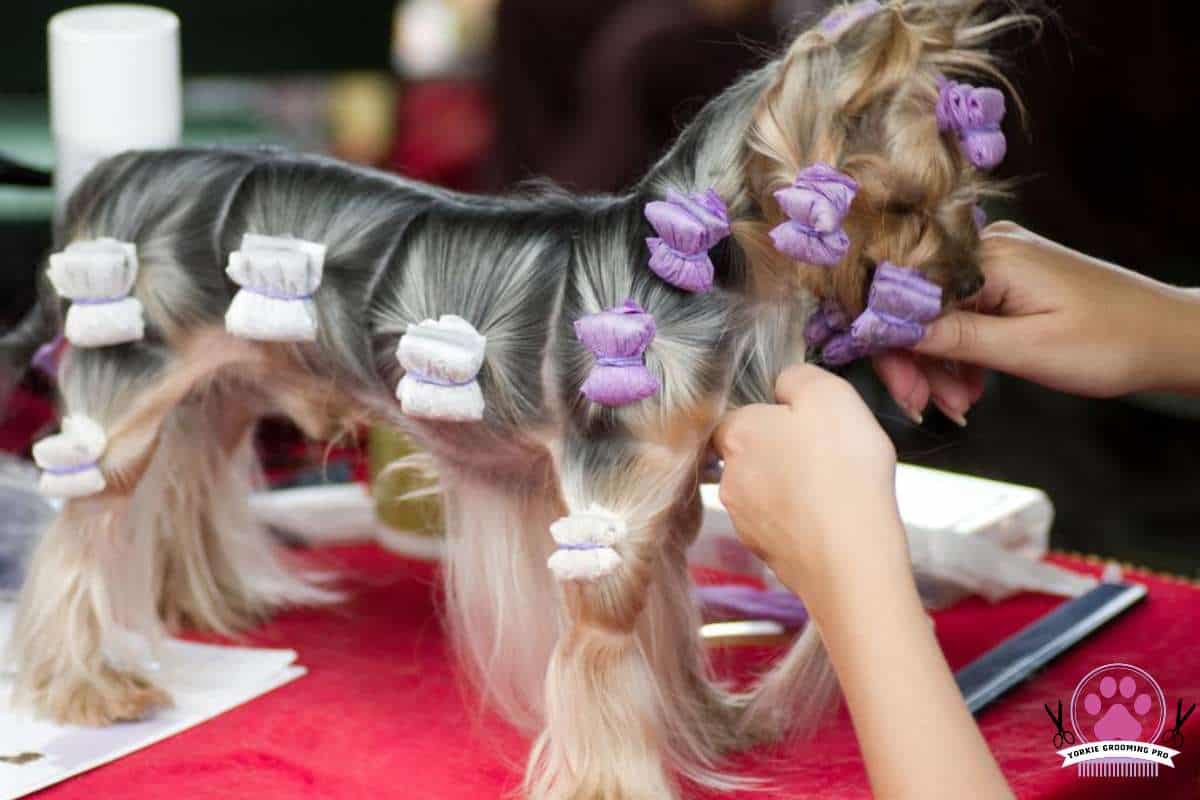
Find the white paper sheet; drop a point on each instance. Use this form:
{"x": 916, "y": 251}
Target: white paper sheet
{"x": 204, "y": 681}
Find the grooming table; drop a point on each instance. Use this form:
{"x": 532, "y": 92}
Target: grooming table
{"x": 381, "y": 712}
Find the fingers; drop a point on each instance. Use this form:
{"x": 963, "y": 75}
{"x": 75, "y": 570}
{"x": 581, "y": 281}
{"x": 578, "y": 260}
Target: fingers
{"x": 726, "y": 432}
{"x": 913, "y": 382}
{"x": 986, "y": 341}
{"x": 975, "y": 378}
{"x": 793, "y": 381}
{"x": 949, "y": 391}
{"x": 736, "y": 426}
{"x": 904, "y": 380}
{"x": 737, "y": 430}
{"x": 1003, "y": 253}
{"x": 1006, "y": 227}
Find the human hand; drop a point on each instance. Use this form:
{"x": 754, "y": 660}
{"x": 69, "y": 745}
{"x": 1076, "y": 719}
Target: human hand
{"x": 1055, "y": 316}
{"x": 810, "y": 487}
{"x": 810, "y": 484}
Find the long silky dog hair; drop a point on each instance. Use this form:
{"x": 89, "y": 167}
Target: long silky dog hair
{"x": 611, "y": 671}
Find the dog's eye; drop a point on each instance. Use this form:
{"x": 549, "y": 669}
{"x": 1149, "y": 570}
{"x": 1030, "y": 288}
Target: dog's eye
{"x": 901, "y": 207}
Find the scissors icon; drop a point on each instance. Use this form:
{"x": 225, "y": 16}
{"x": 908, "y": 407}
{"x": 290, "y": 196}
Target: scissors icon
{"x": 1063, "y": 738}
{"x": 1175, "y": 737}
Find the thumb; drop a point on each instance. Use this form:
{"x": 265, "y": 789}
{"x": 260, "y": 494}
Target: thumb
{"x": 981, "y": 339}
{"x": 727, "y": 429}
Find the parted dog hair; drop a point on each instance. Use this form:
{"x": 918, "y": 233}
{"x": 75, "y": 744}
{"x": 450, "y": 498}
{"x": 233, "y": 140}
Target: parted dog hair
{"x": 609, "y": 673}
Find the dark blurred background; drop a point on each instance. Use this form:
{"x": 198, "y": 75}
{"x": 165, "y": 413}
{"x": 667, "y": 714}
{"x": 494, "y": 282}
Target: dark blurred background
{"x": 480, "y": 94}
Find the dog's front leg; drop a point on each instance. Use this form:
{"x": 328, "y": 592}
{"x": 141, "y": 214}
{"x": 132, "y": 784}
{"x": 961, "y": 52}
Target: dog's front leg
{"x": 627, "y": 704}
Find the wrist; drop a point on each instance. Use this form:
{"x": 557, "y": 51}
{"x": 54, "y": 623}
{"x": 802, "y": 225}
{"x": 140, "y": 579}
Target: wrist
{"x": 849, "y": 604}
{"x": 862, "y": 545}
{"x": 1173, "y": 352}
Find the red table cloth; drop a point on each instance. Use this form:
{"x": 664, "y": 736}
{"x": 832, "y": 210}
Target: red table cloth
{"x": 382, "y": 714}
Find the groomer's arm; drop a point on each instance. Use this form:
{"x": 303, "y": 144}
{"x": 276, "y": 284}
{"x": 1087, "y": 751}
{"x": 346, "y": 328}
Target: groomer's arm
{"x": 809, "y": 484}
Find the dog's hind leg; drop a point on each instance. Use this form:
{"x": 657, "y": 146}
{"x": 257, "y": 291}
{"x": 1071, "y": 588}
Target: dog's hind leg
{"x": 628, "y": 700}
{"x": 85, "y": 622}
{"x": 219, "y": 568}
{"x": 155, "y": 539}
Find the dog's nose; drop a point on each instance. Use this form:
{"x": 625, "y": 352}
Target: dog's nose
{"x": 967, "y": 285}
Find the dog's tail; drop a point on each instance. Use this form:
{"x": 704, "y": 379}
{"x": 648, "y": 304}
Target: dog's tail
{"x": 19, "y": 343}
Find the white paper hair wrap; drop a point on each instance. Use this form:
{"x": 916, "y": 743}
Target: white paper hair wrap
{"x": 585, "y": 541}
{"x": 278, "y": 275}
{"x": 441, "y": 360}
{"x": 69, "y": 460}
{"x": 97, "y": 277}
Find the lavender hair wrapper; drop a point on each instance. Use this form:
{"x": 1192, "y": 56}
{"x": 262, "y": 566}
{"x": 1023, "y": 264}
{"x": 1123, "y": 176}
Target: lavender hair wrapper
{"x": 618, "y": 338}
{"x": 826, "y": 322}
{"x": 687, "y": 227}
{"x": 842, "y": 349}
{"x": 975, "y": 114}
{"x": 816, "y": 205}
{"x": 901, "y": 300}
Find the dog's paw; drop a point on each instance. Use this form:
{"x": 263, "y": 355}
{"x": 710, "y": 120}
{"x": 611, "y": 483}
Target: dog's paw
{"x": 106, "y": 697}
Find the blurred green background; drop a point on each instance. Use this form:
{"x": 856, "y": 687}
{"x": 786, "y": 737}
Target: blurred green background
{"x": 224, "y": 36}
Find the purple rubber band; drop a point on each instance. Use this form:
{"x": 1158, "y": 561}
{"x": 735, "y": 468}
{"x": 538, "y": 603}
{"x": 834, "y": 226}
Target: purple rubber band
{"x": 583, "y": 546}
{"x": 98, "y": 301}
{"x": 48, "y": 355}
{"x": 276, "y": 295}
{"x": 421, "y": 377}
{"x": 703, "y": 254}
{"x": 808, "y": 230}
{"x": 70, "y": 470}
{"x": 620, "y": 361}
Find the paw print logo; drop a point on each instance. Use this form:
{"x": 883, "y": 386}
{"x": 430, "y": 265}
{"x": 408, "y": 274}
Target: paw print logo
{"x": 1118, "y": 702}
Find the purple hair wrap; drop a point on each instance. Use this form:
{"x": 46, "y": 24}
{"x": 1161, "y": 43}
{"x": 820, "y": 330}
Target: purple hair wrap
{"x": 900, "y": 301}
{"x": 816, "y": 205}
{"x": 618, "y": 338}
{"x": 842, "y": 349}
{"x": 974, "y": 114}
{"x": 980, "y": 217}
{"x": 687, "y": 226}
{"x": 47, "y": 357}
{"x": 828, "y": 320}
{"x": 828, "y": 328}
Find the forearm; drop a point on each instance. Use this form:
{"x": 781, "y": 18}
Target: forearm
{"x": 917, "y": 737}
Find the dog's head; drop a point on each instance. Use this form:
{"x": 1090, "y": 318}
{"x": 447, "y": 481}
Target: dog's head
{"x": 868, "y": 91}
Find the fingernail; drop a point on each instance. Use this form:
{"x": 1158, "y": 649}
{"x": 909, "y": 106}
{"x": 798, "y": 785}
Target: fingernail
{"x": 911, "y": 409}
{"x": 954, "y": 416}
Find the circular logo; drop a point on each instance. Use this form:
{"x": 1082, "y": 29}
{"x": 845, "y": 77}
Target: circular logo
{"x": 1118, "y": 702}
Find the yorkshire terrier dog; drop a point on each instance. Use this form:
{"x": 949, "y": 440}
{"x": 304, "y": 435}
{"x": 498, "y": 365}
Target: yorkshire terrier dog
{"x": 562, "y": 361}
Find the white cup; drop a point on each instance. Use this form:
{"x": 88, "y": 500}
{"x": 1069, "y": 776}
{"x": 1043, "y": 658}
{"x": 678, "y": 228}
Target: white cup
{"x": 114, "y": 85}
